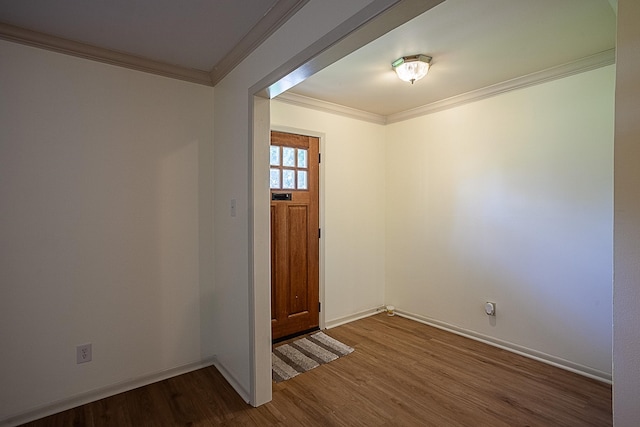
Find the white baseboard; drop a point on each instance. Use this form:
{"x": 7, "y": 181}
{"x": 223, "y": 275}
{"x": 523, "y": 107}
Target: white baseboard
{"x": 231, "y": 379}
{"x": 514, "y": 348}
{"x": 353, "y": 317}
{"x": 101, "y": 393}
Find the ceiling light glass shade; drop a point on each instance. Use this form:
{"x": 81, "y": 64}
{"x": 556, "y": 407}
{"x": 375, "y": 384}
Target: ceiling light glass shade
{"x": 412, "y": 68}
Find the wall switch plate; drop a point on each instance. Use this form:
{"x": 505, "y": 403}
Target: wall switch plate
{"x": 83, "y": 353}
{"x": 233, "y": 207}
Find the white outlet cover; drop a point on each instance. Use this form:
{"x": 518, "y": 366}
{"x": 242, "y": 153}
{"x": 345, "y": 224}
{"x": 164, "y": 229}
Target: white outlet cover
{"x": 83, "y": 353}
{"x": 490, "y": 308}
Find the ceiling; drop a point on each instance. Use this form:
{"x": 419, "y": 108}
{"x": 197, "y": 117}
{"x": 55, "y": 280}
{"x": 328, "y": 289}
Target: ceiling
{"x": 474, "y": 43}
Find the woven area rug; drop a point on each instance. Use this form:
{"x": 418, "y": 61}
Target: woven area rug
{"x": 304, "y": 354}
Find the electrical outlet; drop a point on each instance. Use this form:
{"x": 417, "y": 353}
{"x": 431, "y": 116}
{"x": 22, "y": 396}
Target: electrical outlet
{"x": 490, "y": 308}
{"x": 83, "y": 353}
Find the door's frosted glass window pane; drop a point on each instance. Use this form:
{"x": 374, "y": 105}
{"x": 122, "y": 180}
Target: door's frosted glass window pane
{"x": 302, "y": 180}
{"x": 302, "y": 158}
{"x": 288, "y": 156}
{"x": 274, "y": 155}
{"x": 274, "y": 178}
{"x": 288, "y": 179}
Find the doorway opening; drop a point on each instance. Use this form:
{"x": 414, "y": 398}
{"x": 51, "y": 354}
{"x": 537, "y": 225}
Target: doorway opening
{"x": 365, "y": 26}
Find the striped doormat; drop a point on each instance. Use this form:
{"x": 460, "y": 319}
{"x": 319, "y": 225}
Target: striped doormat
{"x": 304, "y": 354}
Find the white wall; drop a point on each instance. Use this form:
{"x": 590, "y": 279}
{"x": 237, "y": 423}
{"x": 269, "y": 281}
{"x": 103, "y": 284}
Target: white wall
{"x": 626, "y": 343}
{"x": 353, "y": 204}
{"x": 105, "y": 224}
{"x": 509, "y": 199}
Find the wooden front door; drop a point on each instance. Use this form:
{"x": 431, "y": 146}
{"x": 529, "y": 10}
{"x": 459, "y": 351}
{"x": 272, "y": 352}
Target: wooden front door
{"x": 295, "y": 231}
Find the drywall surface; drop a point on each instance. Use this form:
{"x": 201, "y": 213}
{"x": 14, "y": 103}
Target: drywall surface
{"x": 233, "y": 167}
{"x": 509, "y": 200}
{"x": 626, "y": 289}
{"x": 105, "y": 183}
{"x": 353, "y": 206}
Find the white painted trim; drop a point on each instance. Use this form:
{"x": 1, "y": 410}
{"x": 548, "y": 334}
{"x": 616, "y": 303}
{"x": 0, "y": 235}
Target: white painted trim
{"x": 259, "y": 266}
{"x": 231, "y": 379}
{"x": 514, "y": 348}
{"x": 103, "y": 392}
{"x": 270, "y": 22}
{"x": 588, "y": 63}
{"x": 329, "y": 107}
{"x": 86, "y": 51}
{"x": 585, "y": 64}
{"x": 353, "y": 317}
{"x": 321, "y": 195}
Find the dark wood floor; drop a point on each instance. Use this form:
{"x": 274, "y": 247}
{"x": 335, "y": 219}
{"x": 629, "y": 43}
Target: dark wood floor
{"x": 402, "y": 373}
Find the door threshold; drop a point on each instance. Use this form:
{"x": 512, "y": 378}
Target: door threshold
{"x": 294, "y": 335}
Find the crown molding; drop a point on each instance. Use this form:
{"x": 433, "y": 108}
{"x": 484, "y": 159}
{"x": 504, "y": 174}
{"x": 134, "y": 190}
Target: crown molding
{"x": 268, "y": 24}
{"x": 592, "y": 62}
{"x": 83, "y": 50}
{"x": 329, "y": 107}
{"x": 607, "y": 57}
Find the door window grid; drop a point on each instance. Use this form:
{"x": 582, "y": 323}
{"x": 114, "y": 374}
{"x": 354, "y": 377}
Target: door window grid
{"x": 289, "y": 168}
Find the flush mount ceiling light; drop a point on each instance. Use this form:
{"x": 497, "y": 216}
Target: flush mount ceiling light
{"x": 412, "y": 68}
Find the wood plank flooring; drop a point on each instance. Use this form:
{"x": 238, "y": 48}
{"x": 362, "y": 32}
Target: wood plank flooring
{"x": 402, "y": 373}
